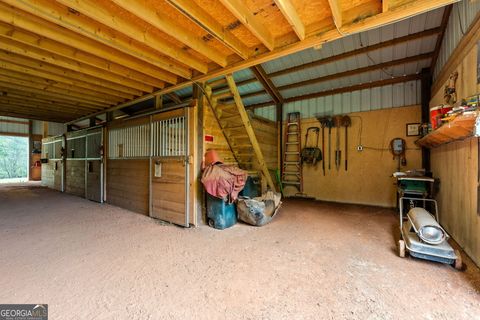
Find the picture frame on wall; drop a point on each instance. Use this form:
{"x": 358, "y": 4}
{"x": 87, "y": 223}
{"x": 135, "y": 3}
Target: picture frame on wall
{"x": 413, "y": 129}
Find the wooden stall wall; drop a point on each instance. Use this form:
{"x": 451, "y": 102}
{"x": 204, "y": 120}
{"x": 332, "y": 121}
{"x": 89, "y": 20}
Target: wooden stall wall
{"x": 75, "y": 177}
{"x": 368, "y": 179}
{"x": 53, "y": 169}
{"x": 456, "y": 164}
{"x": 127, "y": 184}
{"x": 214, "y": 137}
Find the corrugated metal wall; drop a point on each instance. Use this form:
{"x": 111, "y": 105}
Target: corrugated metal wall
{"x": 391, "y": 96}
{"x": 462, "y": 16}
{"x": 10, "y": 127}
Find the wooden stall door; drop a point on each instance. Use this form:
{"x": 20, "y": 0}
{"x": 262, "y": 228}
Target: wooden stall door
{"x": 94, "y": 181}
{"x": 168, "y": 190}
{"x": 94, "y": 165}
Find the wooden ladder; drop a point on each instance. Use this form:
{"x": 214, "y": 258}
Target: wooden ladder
{"x": 235, "y": 123}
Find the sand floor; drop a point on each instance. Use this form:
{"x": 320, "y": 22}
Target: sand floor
{"x": 314, "y": 261}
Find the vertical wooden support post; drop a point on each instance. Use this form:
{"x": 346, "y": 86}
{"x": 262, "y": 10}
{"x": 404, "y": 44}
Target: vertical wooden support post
{"x": 109, "y": 116}
{"x": 92, "y": 122}
{"x": 30, "y": 149}
{"x": 45, "y": 129}
{"x": 426, "y": 85}
{"x": 200, "y": 206}
{"x": 158, "y": 102}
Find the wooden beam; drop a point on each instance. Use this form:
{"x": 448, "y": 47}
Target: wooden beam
{"x": 204, "y": 20}
{"x": 95, "y": 11}
{"x": 24, "y": 105}
{"x": 348, "y": 54}
{"x": 158, "y": 102}
{"x": 42, "y": 117}
{"x": 73, "y": 53}
{"x": 385, "y": 5}
{"x": 14, "y": 121}
{"x": 250, "y": 21}
{"x": 336, "y": 10}
{"x": 42, "y": 67}
{"x": 58, "y": 87}
{"x": 446, "y": 15}
{"x": 42, "y": 105}
{"x": 50, "y": 89}
{"x": 27, "y": 72}
{"x": 348, "y": 73}
{"x": 158, "y": 19}
{"x": 311, "y": 40}
{"x": 267, "y": 84}
{"x": 42, "y": 55}
{"x": 402, "y": 12}
{"x": 6, "y": 86}
{"x": 357, "y": 87}
{"x": 33, "y": 112}
{"x": 289, "y": 12}
{"x": 96, "y": 37}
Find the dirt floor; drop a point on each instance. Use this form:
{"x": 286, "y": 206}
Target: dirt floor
{"x": 314, "y": 261}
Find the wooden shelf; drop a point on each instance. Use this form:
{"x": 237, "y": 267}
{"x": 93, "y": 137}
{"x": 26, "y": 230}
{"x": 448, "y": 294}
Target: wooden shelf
{"x": 463, "y": 126}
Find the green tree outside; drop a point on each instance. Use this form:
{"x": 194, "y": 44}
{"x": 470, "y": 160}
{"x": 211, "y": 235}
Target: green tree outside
{"x": 13, "y": 157}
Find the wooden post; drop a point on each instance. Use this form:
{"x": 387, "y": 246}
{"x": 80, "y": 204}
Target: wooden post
{"x": 45, "y": 129}
{"x": 30, "y": 149}
{"x": 426, "y": 84}
{"x": 158, "y": 101}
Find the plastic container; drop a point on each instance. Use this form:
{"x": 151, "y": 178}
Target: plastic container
{"x": 414, "y": 186}
{"x": 220, "y": 214}
{"x": 436, "y": 114}
{"x": 252, "y": 187}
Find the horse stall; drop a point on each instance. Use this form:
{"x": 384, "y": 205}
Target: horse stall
{"x": 150, "y": 165}
{"x": 84, "y": 164}
{"x": 52, "y": 163}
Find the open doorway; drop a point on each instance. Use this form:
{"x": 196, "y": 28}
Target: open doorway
{"x": 13, "y": 159}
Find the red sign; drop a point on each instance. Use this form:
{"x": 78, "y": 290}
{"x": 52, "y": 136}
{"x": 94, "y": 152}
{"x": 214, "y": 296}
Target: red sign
{"x": 208, "y": 138}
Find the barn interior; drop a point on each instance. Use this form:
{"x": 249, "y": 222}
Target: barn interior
{"x": 167, "y": 159}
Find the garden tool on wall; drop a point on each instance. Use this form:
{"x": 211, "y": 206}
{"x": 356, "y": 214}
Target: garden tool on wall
{"x": 311, "y": 155}
{"x": 346, "y": 122}
{"x": 323, "y": 123}
{"x": 337, "y": 122}
{"x": 329, "y": 123}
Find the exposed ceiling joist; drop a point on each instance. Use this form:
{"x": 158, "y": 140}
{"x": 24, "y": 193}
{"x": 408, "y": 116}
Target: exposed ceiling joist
{"x": 96, "y": 12}
{"x": 336, "y": 10}
{"x": 267, "y": 84}
{"x": 55, "y": 13}
{"x": 157, "y": 19}
{"x": 250, "y": 21}
{"x": 203, "y": 19}
{"x": 385, "y": 5}
{"x": 289, "y": 12}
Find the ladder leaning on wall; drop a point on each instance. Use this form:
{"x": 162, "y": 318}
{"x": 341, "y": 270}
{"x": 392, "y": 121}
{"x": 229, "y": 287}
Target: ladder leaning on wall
{"x": 237, "y": 128}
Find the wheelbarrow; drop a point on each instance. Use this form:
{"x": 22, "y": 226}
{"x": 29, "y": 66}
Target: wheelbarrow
{"x": 311, "y": 155}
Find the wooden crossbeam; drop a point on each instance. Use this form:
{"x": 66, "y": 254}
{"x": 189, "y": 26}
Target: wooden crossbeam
{"x": 29, "y": 106}
{"x": 267, "y": 84}
{"x": 60, "y": 15}
{"x": 204, "y": 20}
{"x": 289, "y": 12}
{"x": 385, "y": 5}
{"x": 55, "y": 59}
{"x": 160, "y": 21}
{"x": 60, "y": 87}
{"x": 37, "y": 65}
{"x": 28, "y": 72}
{"x": 336, "y": 10}
{"x": 251, "y": 22}
{"x": 77, "y": 55}
{"x": 7, "y": 86}
{"x": 35, "y": 99}
{"x": 92, "y": 9}
{"x": 44, "y": 117}
{"x": 37, "y": 102}
{"x": 348, "y": 73}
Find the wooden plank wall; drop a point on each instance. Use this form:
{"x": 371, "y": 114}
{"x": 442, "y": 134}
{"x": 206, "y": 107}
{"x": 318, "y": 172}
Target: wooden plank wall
{"x": 128, "y": 177}
{"x": 75, "y": 177}
{"x": 456, "y": 164}
{"x": 48, "y": 174}
{"x": 93, "y": 181}
{"x": 211, "y": 127}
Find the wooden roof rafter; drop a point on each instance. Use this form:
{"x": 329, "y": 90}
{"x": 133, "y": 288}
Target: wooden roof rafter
{"x": 267, "y": 84}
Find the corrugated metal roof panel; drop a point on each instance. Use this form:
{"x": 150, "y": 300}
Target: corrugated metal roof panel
{"x": 267, "y": 112}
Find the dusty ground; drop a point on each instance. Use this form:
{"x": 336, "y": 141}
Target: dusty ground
{"x": 314, "y": 261}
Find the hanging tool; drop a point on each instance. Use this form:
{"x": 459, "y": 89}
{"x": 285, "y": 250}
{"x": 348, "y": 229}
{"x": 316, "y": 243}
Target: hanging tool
{"x": 337, "y": 122}
{"x": 329, "y": 125}
{"x": 311, "y": 155}
{"x": 323, "y": 122}
{"x": 346, "y": 122}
